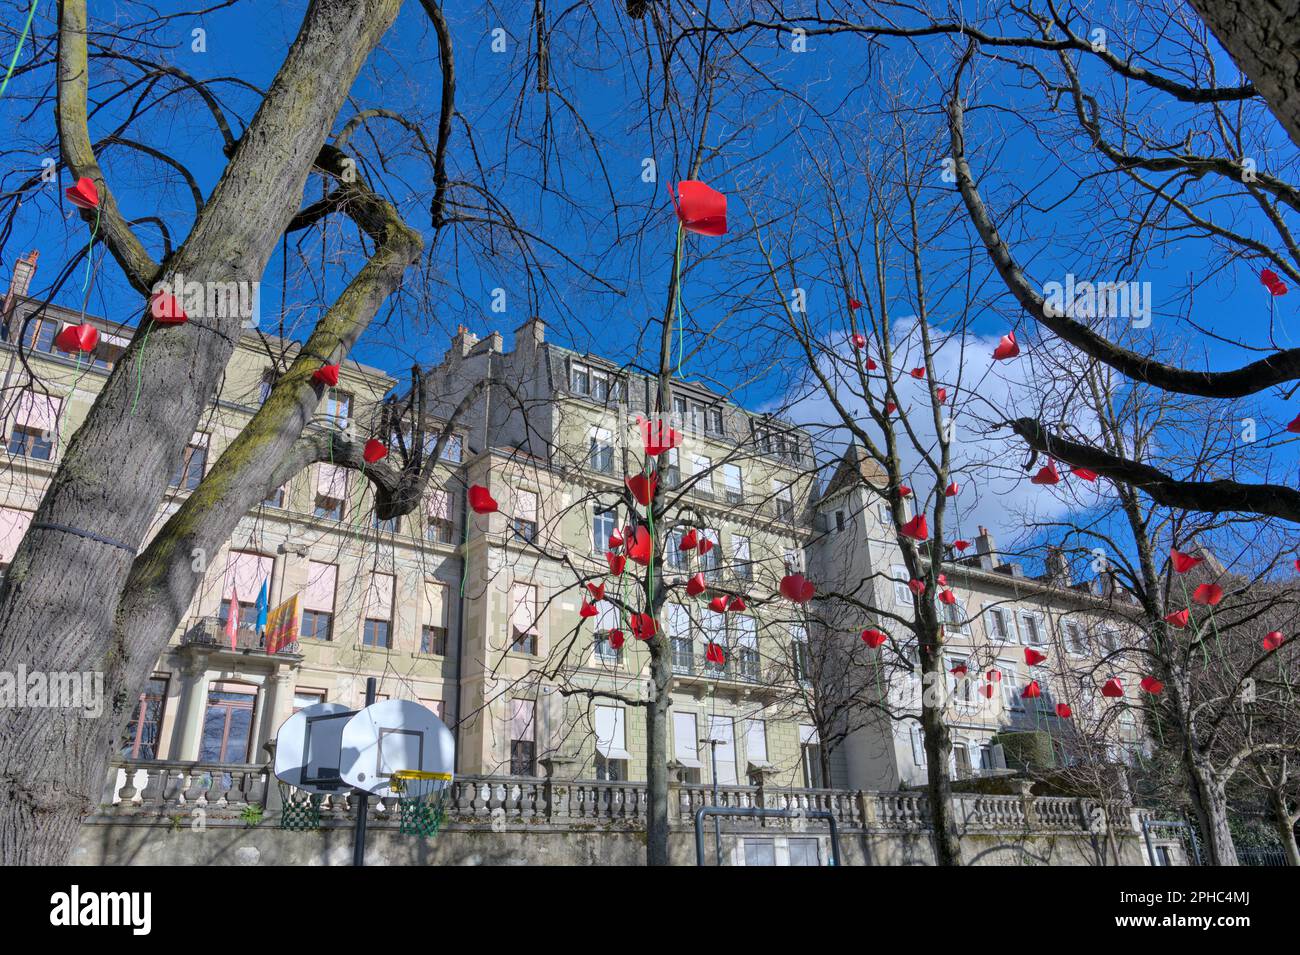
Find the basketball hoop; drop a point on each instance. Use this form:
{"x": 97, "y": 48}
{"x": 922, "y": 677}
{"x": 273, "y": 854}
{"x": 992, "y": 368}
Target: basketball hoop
{"x": 421, "y": 800}
{"x": 299, "y": 810}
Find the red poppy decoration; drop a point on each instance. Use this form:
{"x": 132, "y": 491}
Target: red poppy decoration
{"x": 859, "y": 341}
{"x": 706, "y": 545}
{"x": 718, "y": 604}
{"x": 77, "y": 338}
{"x": 958, "y": 670}
{"x": 374, "y": 450}
{"x": 643, "y": 626}
{"x": 1273, "y": 640}
{"x": 1268, "y": 278}
{"x": 942, "y": 395}
{"x": 890, "y": 407}
{"x": 795, "y": 588}
{"x": 326, "y": 375}
{"x": 617, "y": 563}
{"x": 987, "y": 690}
{"x": 1294, "y": 426}
{"x": 480, "y": 500}
{"x": 1207, "y": 595}
{"x": 993, "y": 676}
{"x": 904, "y": 491}
{"x": 166, "y": 310}
{"x": 737, "y": 605}
{"x": 1178, "y": 620}
{"x": 917, "y": 529}
{"x": 642, "y": 487}
{"x": 1063, "y": 711}
{"x": 615, "y": 639}
{"x": 713, "y": 653}
{"x": 871, "y": 364}
{"x": 588, "y": 610}
{"x": 696, "y": 585}
{"x": 689, "y": 540}
{"x": 615, "y": 539}
{"x": 1033, "y": 657}
{"x": 1183, "y": 562}
{"x": 639, "y": 547}
{"x": 597, "y": 590}
{"x": 1112, "y": 689}
{"x": 1297, "y": 564}
{"x": 1047, "y": 475}
{"x": 960, "y": 545}
{"x": 943, "y": 580}
{"x": 918, "y": 373}
{"x": 916, "y": 586}
{"x": 1151, "y": 685}
{"x": 1007, "y": 347}
{"x": 947, "y": 597}
{"x": 952, "y": 489}
{"x": 854, "y": 304}
{"x": 873, "y": 638}
{"x": 83, "y": 194}
{"x": 1032, "y": 690}
{"x": 1083, "y": 474}
{"x": 700, "y": 209}
{"x": 658, "y": 436}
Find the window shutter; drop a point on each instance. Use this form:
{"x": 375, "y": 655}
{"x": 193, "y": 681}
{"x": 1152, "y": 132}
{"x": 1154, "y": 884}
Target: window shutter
{"x": 435, "y": 604}
{"x": 38, "y": 412}
{"x": 321, "y": 581}
{"x": 379, "y": 597}
{"x": 685, "y": 743}
{"x": 332, "y": 481}
{"x": 522, "y": 726}
{"x": 13, "y": 525}
{"x": 245, "y": 571}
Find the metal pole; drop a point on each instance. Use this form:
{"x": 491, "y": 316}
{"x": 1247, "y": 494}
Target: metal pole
{"x": 717, "y": 820}
{"x": 363, "y": 798}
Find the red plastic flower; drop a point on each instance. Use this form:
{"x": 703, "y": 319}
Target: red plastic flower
{"x": 1207, "y": 595}
{"x": 873, "y": 638}
{"x": 480, "y": 500}
{"x": 700, "y": 209}
{"x": 797, "y": 589}
{"x": 1007, "y": 347}
{"x": 1183, "y": 562}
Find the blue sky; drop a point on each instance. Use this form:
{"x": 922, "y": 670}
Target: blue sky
{"x": 596, "y": 215}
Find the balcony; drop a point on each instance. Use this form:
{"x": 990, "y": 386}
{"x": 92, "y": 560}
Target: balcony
{"x": 739, "y": 668}
{"x": 210, "y": 633}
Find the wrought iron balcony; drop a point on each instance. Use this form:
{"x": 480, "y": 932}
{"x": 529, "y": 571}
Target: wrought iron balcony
{"x": 211, "y": 632}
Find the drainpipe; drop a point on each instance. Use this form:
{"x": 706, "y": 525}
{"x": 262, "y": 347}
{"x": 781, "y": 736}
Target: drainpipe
{"x": 460, "y": 632}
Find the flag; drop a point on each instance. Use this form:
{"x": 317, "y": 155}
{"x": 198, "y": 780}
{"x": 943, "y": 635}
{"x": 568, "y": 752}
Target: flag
{"x": 282, "y": 626}
{"x": 232, "y": 618}
{"x": 263, "y": 605}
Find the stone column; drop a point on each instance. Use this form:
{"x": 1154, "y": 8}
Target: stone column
{"x": 193, "y": 701}
{"x": 277, "y": 706}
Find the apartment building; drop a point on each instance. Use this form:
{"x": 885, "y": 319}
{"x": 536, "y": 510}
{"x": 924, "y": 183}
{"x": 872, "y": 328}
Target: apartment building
{"x": 477, "y": 616}
{"x": 995, "y": 616}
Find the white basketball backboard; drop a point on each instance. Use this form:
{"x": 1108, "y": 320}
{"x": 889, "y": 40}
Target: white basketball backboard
{"x": 393, "y": 735}
{"x": 307, "y": 747}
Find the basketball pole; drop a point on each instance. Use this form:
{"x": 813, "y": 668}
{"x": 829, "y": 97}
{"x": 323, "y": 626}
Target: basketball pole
{"x": 363, "y": 797}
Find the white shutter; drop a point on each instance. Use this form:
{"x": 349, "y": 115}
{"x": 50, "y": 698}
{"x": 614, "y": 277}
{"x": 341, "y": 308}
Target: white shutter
{"x": 723, "y": 731}
{"x": 686, "y": 745}
{"x": 918, "y": 746}
{"x": 611, "y": 732}
{"x": 756, "y": 742}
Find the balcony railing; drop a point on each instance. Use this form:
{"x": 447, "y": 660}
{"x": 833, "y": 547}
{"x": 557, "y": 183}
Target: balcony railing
{"x": 211, "y": 632}
{"x": 742, "y": 668}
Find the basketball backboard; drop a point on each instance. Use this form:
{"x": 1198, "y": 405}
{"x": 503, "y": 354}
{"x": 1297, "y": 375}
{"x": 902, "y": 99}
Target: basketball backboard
{"x": 307, "y": 747}
{"x": 389, "y": 736}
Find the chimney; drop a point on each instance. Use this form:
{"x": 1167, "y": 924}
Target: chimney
{"x": 493, "y": 343}
{"x": 532, "y": 331}
{"x": 19, "y": 282}
{"x": 985, "y": 549}
{"x": 463, "y": 341}
{"x": 1058, "y": 568}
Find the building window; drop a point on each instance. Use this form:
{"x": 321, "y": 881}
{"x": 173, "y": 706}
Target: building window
{"x": 275, "y": 498}
{"x": 603, "y": 524}
{"x": 679, "y": 634}
{"x": 810, "y": 750}
{"x": 741, "y": 564}
{"x": 142, "y": 733}
{"x": 579, "y": 379}
{"x": 375, "y": 633}
{"x": 338, "y": 407}
{"x": 713, "y": 421}
{"x": 39, "y": 334}
{"x": 710, "y": 562}
{"x": 525, "y": 522}
{"x": 523, "y": 618}
{"x": 960, "y": 684}
{"x": 389, "y": 525}
{"x": 523, "y": 739}
{"x": 733, "y": 481}
{"x": 305, "y": 698}
{"x": 902, "y": 593}
{"x": 228, "y": 724}
{"x": 784, "y": 501}
{"x": 756, "y": 742}
{"x": 839, "y": 521}
{"x": 193, "y": 461}
{"x": 703, "y": 475}
{"x": 265, "y": 386}
{"x": 439, "y": 527}
{"x": 317, "y": 625}
{"x": 722, "y": 741}
{"x": 30, "y": 443}
{"x": 611, "y": 743}
{"x": 918, "y": 746}
{"x": 602, "y": 451}
{"x": 674, "y": 557}
{"x": 799, "y": 656}
{"x": 671, "y": 475}
{"x": 954, "y": 616}
{"x": 453, "y": 449}
{"x": 999, "y": 624}
{"x": 1076, "y": 640}
{"x": 747, "y": 662}
{"x": 686, "y": 743}
{"x": 1031, "y": 628}
{"x": 433, "y": 640}
{"x": 331, "y": 491}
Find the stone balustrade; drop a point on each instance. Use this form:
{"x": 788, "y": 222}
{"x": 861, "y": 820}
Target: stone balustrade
{"x": 165, "y": 793}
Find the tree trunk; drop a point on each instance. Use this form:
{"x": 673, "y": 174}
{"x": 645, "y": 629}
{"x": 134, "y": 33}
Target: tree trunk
{"x": 1212, "y": 809}
{"x": 938, "y": 749}
{"x": 657, "y": 716}
{"x": 1264, "y": 41}
{"x": 61, "y": 602}
{"x": 1285, "y": 826}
